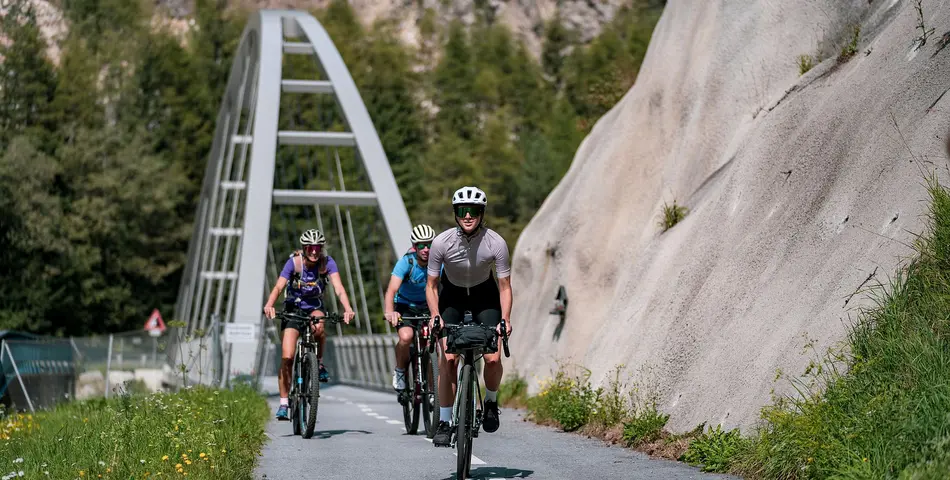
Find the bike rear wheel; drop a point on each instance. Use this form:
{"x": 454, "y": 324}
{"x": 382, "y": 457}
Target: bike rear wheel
{"x": 430, "y": 392}
{"x": 311, "y": 391}
{"x": 466, "y": 421}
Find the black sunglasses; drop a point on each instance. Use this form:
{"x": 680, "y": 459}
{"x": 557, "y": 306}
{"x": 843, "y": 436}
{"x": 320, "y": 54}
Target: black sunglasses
{"x": 474, "y": 211}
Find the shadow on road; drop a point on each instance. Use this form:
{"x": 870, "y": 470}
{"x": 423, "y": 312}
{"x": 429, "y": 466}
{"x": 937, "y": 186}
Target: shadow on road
{"x": 495, "y": 472}
{"x": 325, "y": 434}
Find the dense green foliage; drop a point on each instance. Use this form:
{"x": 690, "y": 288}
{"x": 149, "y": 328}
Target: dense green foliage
{"x": 102, "y": 153}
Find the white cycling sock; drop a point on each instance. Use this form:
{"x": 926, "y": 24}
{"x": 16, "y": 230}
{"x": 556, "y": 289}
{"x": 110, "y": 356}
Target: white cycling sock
{"x": 400, "y": 370}
{"x": 445, "y": 414}
{"x": 285, "y": 401}
{"x": 491, "y": 396}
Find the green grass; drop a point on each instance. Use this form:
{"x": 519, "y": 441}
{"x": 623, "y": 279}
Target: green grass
{"x": 805, "y": 63}
{"x": 513, "y": 392}
{"x": 199, "y": 431}
{"x": 672, "y": 214}
{"x": 615, "y": 412}
{"x": 851, "y": 48}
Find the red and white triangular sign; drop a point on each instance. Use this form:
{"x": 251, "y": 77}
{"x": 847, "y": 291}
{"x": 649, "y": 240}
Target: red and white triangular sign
{"x": 155, "y": 322}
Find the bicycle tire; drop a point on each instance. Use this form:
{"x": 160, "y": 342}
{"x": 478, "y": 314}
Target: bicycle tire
{"x": 312, "y": 392}
{"x": 430, "y": 392}
{"x": 294, "y": 404}
{"x": 410, "y": 410}
{"x": 463, "y": 434}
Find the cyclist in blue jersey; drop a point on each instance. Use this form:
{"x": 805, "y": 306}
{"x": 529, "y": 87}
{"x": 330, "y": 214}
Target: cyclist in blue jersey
{"x": 305, "y": 275}
{"x": 406, "y": 295}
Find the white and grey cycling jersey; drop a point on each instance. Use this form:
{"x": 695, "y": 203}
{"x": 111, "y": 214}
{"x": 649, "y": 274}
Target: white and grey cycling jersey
{"x": 467, "y": 261}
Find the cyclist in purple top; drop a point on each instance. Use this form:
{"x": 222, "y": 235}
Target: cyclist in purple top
{"x": 305, "y": 277}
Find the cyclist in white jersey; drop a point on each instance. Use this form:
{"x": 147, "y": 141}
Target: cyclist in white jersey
{"x": 465, "y": 256}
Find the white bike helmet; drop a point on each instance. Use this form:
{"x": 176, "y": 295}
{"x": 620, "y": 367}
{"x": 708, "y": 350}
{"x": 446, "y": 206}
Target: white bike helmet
{"x": 422, "y": 233}
{"x": 312, "y": 237}
{"x": 469, "y": 196}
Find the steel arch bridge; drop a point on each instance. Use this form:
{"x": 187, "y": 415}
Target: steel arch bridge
{"x": 284, "y": 148}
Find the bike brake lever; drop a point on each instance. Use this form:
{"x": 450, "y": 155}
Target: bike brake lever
{"x": 504, "y": 337}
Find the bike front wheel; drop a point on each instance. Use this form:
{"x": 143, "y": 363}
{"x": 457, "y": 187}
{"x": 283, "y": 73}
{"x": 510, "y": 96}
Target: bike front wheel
{"x": 466, "y": 422}
{"x": 410, "y": 408}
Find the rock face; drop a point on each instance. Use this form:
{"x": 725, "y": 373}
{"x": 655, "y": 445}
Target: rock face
{"x": 798, "y": 188}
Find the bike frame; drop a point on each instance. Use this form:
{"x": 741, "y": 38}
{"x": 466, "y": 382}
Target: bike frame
{"x": 419, "y": 347}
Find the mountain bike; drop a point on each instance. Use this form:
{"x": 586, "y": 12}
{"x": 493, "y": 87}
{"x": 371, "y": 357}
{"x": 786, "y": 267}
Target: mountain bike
{"x": 304, "y": 398}
{"x": 421, "y": 380}
{"x": 468, "y": 406}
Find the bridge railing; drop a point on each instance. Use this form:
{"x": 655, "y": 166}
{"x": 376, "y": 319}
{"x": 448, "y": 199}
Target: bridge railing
{"x": 364, "y": 361}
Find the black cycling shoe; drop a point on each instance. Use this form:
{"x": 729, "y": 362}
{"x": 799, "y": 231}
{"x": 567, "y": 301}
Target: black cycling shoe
{"x": 443, "y": 435}
{"x": 490, "y": 417}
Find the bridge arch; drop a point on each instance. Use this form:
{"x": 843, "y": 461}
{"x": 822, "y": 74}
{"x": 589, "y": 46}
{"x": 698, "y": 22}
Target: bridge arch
{"x": 226, "y": 276}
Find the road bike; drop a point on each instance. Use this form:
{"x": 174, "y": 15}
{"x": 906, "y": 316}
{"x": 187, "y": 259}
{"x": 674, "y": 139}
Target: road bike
{"x": 304, "y": 398}
{"x": 421, "y": 392}
{"x": 468, "y": 406}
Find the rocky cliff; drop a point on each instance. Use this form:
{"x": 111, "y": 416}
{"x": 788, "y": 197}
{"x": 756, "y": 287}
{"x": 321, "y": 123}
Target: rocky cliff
{"x": 801, "y": 190}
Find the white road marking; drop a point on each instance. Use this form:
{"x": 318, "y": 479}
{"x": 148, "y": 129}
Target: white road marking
{"x": 343, "y": 400}
{"x": 366, "y": 409}
{"x": 362, "y": 406}
{"x": 349, "y": 403}
{"x": 475, "y": 460}
{"x": 394, "y": 422}
{"x": 382, "y": 417}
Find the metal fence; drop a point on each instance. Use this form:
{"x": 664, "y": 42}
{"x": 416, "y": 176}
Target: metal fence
{"x": 40, "y": 372}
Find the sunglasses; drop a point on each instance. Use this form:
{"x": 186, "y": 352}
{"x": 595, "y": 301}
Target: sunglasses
{"x": 312, "y": 249}
{"x": 420, "y": 246}
{"x": 460, "y": 212}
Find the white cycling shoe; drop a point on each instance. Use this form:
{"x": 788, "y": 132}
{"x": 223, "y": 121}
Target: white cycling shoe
{"x": 399, "y": 381}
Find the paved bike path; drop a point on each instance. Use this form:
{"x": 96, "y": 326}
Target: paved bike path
{"x": 360, "y": 434}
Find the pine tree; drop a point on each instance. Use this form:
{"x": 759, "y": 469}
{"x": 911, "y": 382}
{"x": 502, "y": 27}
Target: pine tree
{"x": 27, "y": 78}
{"x": 454, "y": 85}
{"x": 76, "y": 100}
{"x": 557, "y": 38}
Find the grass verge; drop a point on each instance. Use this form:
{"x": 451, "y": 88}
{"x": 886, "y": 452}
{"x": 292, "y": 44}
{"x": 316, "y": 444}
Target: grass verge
{"x": 200, "y": 432}
{"x": 877, "y": 408}
{"x": 616, "y": 412}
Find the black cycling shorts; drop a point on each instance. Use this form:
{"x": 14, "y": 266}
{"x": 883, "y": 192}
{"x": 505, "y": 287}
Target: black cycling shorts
{"x": 482, "y": 300}
{"x": 296, "y": 324}
{"x": 411, "y": 311}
